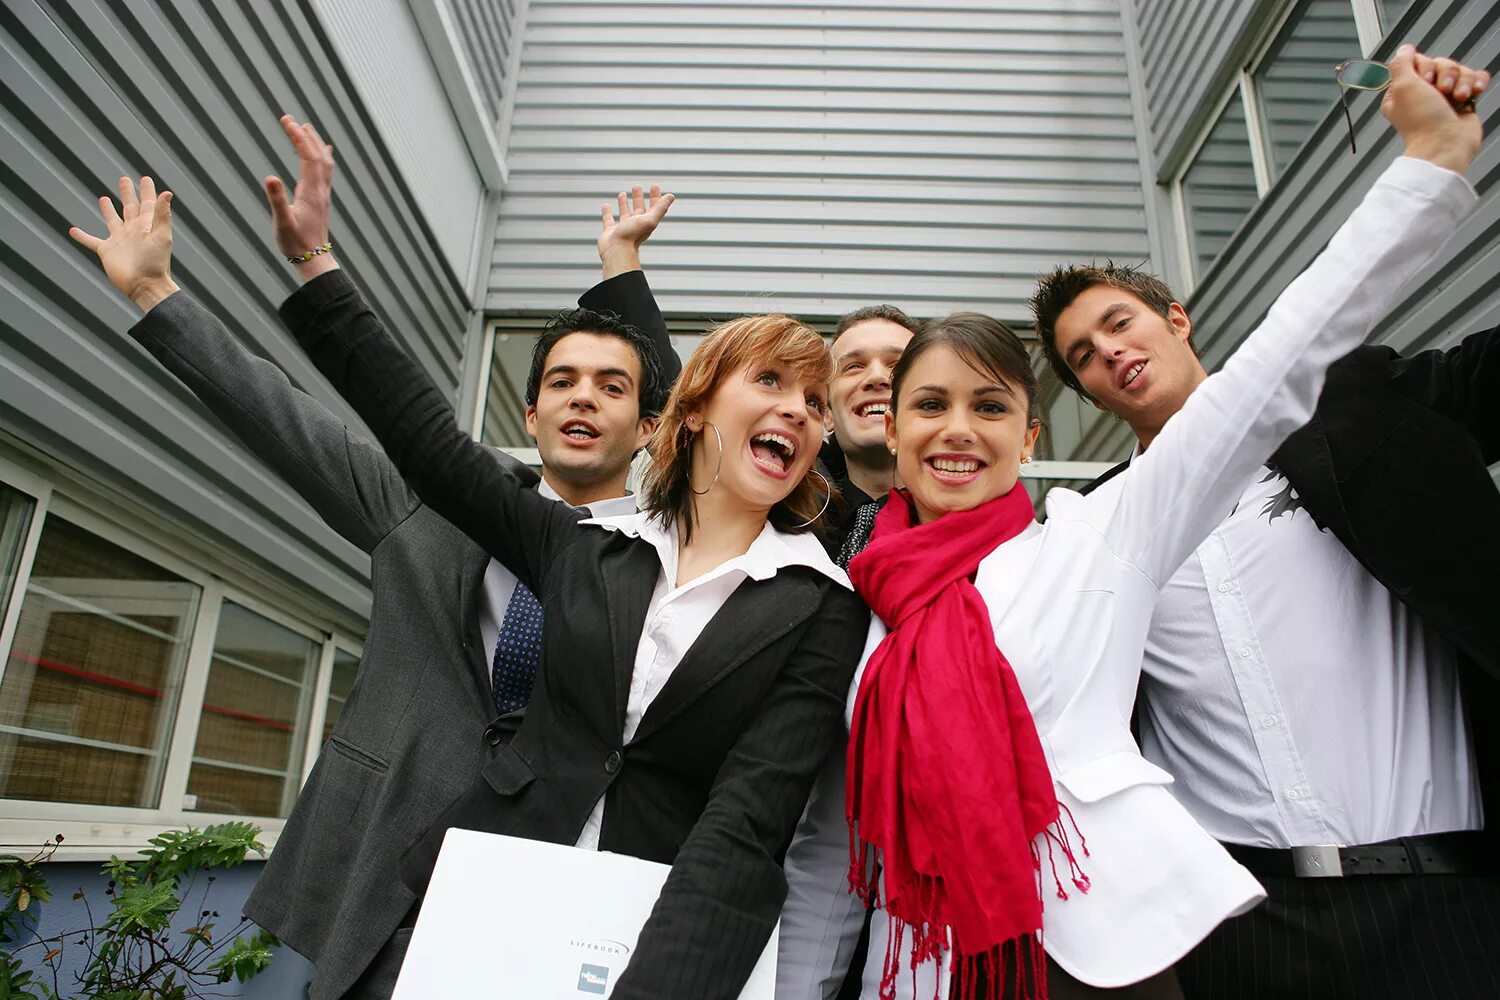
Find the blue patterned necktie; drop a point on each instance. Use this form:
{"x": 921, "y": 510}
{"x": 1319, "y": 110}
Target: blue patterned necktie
{"x": 517, "y": 650}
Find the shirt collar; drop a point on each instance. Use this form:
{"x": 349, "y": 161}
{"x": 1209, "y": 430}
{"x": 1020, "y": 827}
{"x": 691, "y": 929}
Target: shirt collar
{"x": 772, "y": 549}
{"x": 599, "y": 508}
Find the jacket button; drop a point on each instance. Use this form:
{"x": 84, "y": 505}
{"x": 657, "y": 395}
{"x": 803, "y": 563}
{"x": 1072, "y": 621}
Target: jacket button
{"x": 612, "y": 762}
{"x": 493, "y": 735}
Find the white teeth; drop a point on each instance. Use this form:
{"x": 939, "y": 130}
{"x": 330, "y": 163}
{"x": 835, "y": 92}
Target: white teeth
{"x": 785, "y": 443}
{"x": 1131, "y": 377}
{"x": 578, "y": 431}
{"x": 961, "y": 466}
{"x": 874, "y": 409}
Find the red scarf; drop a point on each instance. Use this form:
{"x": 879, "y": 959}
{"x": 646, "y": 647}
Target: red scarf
{"x": 946, "y": 776}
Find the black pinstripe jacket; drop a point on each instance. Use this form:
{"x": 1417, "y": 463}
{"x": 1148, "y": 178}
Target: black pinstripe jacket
{"x": 721, "y": 765}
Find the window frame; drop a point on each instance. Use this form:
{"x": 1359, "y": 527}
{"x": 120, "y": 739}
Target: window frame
{"x": 94, "y": 832}
{"x": 1367, "y": 24}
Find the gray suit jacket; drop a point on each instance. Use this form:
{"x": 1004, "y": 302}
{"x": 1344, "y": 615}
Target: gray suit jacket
{"x": 412, "y": 734}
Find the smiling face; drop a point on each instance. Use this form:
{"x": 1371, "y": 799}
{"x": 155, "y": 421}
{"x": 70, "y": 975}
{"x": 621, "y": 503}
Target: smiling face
{"x": 1133, "y": 361}
{"x": 586, "y": 420}
{"x": 959, "y": 433}
{"x": 864, "y": 356}
{"x": 770, "y": 420}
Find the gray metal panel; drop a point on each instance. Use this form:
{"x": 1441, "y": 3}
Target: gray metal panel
{"x": 1186, "y": 48}
{"x": 1458, "y": 295}
{"x": 825, "y": 155}
{"x": 382, "y": 51}
{"x": 487, "y": 28}
{"x": 189, "y": 92}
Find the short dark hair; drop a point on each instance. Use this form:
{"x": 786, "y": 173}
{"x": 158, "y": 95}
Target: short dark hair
{"x": 651, "y": 390}
{"x": 885, "y": 312}
{"x": 985, "y": 343}
{"x": 1057, "y": 289}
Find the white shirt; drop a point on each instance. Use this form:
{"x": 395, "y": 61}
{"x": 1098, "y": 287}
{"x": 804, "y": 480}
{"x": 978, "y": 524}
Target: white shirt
{"x": 677, "y": 615}
{"x": 1295, "y": 698}
{"x": 500, "y": 583}
{"x": 1071, "y": 602}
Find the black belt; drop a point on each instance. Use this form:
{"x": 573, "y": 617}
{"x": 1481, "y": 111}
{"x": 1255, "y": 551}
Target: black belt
{"x": 1465, "y": 852}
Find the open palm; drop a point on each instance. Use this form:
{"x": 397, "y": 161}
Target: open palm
{"x": 137, "y": 253}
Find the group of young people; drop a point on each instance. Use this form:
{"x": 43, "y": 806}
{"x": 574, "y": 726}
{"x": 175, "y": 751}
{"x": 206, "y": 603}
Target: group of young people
{"x": 923, "y": 767}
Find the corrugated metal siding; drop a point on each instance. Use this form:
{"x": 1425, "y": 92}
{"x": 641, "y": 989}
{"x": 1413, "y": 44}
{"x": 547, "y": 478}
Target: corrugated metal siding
{"x": 1457, "y": 296}
{"x": 826, "y": 155}
{"x": 189, "y": 92}
{"x": 382, "y": 51}
{"x": 487, "y": 28}
{"x": 1185, "y": 50}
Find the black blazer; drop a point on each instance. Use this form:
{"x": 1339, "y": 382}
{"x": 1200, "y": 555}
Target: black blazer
{"x": 1393, "y": 463}
{"x": 722, "y": 763}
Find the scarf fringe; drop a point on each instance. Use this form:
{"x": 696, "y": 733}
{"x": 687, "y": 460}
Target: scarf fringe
{"x": 981, "y": 975}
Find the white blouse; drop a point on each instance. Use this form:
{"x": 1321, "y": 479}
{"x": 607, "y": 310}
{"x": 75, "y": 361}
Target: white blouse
{"x": 677, "y": 615}
{"x": 1071, "y": 601}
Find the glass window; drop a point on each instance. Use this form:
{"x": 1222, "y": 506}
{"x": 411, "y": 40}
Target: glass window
{"x": 1295, "y": 80}
{"x": 505, "y": 409}
{"x": 345, "y": 666}
{"x": 1218, "y": 189}
{"x": 247, "y": 759}
{"x": 15, "y": 518}
{"x": 92, "y": 680}
{"x": 1390, "y": 13}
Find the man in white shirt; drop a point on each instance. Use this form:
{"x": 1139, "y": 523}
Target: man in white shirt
{"x": 1304, "y": 691}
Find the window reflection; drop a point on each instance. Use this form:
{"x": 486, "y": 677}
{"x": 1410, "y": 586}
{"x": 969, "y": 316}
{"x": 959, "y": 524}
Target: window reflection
{"x": 1218, "y": 190}
{"x": 93, "y": 676}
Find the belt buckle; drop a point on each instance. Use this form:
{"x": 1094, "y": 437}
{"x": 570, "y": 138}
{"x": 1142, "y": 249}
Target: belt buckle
{"x": 1317, "y": 861}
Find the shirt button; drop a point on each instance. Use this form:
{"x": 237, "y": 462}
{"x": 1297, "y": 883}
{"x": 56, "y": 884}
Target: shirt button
{"x": 1293, "y": 794}
{"x": 1244, "y": 650}
{"x": 1268, "y": 721}
{"x": 612, "y": 762}
{"x": 1224, "y": 588}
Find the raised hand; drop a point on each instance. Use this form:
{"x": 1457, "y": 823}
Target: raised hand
{"x": 1431, "y": 103}
{"x": 301, "y": 223}
{"x": 137, "y": 253}
{"x": 620, "y": 240}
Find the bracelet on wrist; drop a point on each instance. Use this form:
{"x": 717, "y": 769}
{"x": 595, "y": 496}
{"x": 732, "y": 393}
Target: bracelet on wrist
{"x": 303, "y": 258}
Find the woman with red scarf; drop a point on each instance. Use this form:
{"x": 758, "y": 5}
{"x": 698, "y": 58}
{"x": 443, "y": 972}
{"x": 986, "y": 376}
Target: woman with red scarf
{"x": 992, "y": 805}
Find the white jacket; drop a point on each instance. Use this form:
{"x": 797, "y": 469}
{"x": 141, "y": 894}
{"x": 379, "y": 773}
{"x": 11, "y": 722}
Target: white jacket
{"x": 1071, "y": 601}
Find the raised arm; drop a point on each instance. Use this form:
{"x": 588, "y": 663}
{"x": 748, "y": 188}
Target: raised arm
{"x": 1172, "y": 496}
{"x": 347, "y": 480}
{"x": 624, "y": 290}
{"x": 726, "y": 887}
{"x": 457, "y": 476}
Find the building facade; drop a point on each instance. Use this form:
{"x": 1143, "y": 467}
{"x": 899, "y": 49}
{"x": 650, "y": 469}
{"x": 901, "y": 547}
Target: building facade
{"x": 178, "y": 629}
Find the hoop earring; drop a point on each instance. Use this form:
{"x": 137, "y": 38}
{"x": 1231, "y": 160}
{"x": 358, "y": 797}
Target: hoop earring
{"x": 717, "y": 469}
{"x": 827, "y": 497}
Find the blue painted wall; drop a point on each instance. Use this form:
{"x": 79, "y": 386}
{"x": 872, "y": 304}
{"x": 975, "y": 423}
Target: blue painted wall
{"x": 286, "y": 979}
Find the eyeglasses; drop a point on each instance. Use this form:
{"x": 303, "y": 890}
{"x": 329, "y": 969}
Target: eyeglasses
{"x": 1359, "y": 74}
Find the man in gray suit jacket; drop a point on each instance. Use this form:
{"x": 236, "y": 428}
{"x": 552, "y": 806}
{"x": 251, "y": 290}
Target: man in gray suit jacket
{"x": 422, "y": 719}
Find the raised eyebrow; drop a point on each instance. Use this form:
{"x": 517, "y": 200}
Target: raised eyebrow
{"x": 990, "y": 390}
{"x": 575, "y": 370}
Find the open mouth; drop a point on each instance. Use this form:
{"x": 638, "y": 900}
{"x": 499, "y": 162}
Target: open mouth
{"x": 954, "y": 468}
{"x": 873, "y": 408}
{"x": 1132, "y": 373}
{"x": 773, "y": 452}
{"x": 579, "y": 431}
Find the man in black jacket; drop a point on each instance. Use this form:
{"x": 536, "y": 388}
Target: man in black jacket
{"x": 1320, "y": 675}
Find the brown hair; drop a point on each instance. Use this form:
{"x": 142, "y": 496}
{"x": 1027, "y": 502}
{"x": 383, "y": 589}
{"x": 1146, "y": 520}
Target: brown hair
{"x": 1057, "y": 289}
{"x": 750, "y": 340}
{"x": 986, "y": 345}
{"x": 884, "y": 312}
